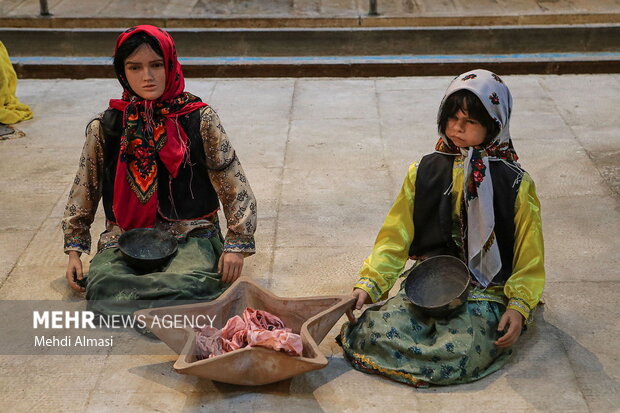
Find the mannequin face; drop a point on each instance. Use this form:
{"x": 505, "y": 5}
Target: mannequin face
{"x": 145, "y": 72}
{"x": 464, "y": 131}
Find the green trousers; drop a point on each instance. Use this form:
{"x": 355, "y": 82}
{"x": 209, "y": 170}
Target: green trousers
{"x": 396, "y": 341}
{"x": 116, "y": 288}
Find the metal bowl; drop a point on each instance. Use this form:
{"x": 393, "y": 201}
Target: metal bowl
{"x": 147, "y": 249}
{"x": 438, "y": 286}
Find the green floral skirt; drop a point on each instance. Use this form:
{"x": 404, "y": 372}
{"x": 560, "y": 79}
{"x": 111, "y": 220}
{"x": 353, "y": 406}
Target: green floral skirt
{"x": 116, "y": 288}
{"x": 399, "y": 342}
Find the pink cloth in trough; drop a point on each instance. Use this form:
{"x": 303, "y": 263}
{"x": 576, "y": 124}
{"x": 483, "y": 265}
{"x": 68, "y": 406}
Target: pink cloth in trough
{"x": 257, "y": 328}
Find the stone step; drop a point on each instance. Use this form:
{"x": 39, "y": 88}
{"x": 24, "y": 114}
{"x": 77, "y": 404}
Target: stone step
{"x": 360, "y": 51}
{"x": 314, "y": 21}
{"x": 330, "y": 41}
{"x": 335, "y": 66}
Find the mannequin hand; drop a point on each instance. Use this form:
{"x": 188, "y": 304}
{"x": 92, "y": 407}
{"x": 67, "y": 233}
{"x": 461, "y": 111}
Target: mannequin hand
{"x": 514, "y": 321}
{"x": 362, "y": 298}
{"x": 230, "y": 266}
{"x": 74, "y": 270}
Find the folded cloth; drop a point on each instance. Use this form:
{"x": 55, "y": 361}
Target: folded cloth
{"x": 278, "y": 339}
{"x": 11, "y": 110}
{"x": 209, "y": 342}
{"x": 262, "y": 320}
{"x": 257, "y": 328}
{"x": 234, "y": 334}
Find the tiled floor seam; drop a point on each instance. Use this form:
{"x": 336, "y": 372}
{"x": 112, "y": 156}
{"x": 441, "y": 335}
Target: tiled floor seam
{"x": 16, "y": 5}
{"x": 385, "y": 165}
{"x": 279, "y": 195}
{"x": 573, "y": 368}
{"x": 35, "y": 232}
{"x": 16, "y": 263}
{"x": 96, "y": 386}
{"x": 612, "y": 193}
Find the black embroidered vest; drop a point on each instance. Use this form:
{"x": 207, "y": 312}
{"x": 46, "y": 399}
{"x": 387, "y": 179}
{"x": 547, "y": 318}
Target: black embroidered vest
{"x": 432, "y": 211}
{"x": 188, "y": 196}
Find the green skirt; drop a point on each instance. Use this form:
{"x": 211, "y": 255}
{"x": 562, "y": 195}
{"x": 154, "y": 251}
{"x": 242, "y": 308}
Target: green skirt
{"x": 402, "y": 344}
{"x": 116, "y": 288}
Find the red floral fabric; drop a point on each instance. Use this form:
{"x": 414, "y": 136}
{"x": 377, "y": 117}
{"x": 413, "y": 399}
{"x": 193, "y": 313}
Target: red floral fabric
{"x": 150, "y": 131}
{"x": 257, "y": 328}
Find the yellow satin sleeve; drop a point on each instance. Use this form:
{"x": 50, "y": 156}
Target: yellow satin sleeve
{"x": 391, "y": 250}
{"x": 525, "y": 286}
{"x": 523, "y": 289}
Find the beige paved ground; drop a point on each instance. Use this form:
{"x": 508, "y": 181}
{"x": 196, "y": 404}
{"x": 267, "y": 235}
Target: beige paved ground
{"x": 325, "y": 158}
{"x": 304, "y": 8}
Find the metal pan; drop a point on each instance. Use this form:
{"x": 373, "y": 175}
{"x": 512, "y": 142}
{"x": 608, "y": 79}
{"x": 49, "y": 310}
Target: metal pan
{"x": 438, "y": 286}
{"x": 147, "y": 249}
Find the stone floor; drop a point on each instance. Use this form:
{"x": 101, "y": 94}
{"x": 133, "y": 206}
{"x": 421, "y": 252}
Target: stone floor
{"x": 304, "y": 8}
{"x": 326, "y": 157}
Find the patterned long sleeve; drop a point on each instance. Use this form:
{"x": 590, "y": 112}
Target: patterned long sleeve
{"x": 85, "y": 193}
{"x": 391, "y": 250}
{"x": 525, "y": 286}
{"x": 231, "y": 185}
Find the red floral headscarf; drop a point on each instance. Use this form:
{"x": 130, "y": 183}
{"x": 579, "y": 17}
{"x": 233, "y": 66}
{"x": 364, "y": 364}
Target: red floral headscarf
{"x": 150, "y": 132}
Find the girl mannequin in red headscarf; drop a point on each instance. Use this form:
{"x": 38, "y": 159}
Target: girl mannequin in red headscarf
{"x": 158, "y": 158}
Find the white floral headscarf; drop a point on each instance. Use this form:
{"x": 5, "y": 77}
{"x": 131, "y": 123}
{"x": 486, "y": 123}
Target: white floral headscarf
{"x": 483, "y": 255}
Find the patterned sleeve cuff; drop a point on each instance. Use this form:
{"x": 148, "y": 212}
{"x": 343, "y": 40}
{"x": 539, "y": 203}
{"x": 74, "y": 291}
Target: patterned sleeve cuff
{"x": 520, "y": 305}
{"x": 240, "y": 243}
{"x": 371, "y": 287}
{"x": 77, "y": 244}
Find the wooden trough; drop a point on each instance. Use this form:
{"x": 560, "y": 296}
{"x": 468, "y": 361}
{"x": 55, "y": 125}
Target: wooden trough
{"x": 311, "y": 317}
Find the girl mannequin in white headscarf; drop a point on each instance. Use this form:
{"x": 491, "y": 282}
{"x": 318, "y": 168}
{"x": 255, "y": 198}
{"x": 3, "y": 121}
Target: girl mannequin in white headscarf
{"x": 495, "y": 228}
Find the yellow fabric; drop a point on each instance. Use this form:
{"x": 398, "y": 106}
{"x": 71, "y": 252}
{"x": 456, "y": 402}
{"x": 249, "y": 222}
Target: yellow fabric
{"x": 11, "y": 110}
{"x": 390, "y": 253}
{"x": 526, "y": 284}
